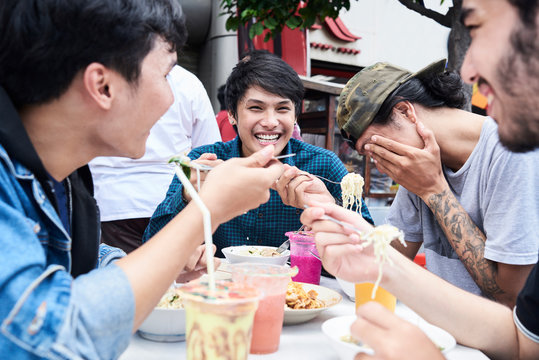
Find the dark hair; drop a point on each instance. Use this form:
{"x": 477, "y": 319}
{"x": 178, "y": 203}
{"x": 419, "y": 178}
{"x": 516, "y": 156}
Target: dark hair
{"x": 45, "y": 43}
{"x": 221, "y": 97}
{"x": 527, "y": 10}
{"x": 268, "y": 71}
{"x": 438, "y": 90}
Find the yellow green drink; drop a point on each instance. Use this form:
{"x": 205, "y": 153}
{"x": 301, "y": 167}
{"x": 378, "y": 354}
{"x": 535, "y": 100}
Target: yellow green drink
{"x": 219, "y": 323}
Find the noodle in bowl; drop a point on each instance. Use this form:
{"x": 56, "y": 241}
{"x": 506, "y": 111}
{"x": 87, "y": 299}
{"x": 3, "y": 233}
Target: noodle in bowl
{"x": 166, "y": 322}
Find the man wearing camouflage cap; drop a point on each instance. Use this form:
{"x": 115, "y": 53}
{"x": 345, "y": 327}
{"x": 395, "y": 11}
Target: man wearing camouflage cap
{"x": 502, "y": 58}
{"x": 443, "y": 157}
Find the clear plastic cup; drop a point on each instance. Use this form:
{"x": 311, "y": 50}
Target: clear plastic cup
{"x": 302, "y": 248}
{"x": 218, "y": 323}
{"x": 272, "y": 281}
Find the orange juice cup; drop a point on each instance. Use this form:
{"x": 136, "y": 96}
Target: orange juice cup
{"x": 218, "y": 323}
{"x": 272, "y": 282}
{"x": 384, "y": 297}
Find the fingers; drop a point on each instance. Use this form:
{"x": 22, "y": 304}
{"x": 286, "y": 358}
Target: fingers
{"x": 260, "y": 158}
{"x": 194, "y": 258}
{"x": 345, "y": 215}
{"x": 282, "y": 183}
{"x": 369, "y": 330}
{"x": 207, "y": 156}
{"x": 363, "y": 356}
{"x": 197, "y": 264}
{"x": 296, "y": 190}
{"x": 391, "y": 146}
{"x": 377, "y": 314}
{"x": 190, "y": 275}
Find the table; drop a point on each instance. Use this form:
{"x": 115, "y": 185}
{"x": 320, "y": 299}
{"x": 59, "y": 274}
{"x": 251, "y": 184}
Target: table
{"x": 305, "y": 339}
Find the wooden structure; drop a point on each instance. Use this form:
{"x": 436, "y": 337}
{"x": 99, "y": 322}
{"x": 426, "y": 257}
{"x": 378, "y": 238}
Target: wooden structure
{"x": 320, "y": 122}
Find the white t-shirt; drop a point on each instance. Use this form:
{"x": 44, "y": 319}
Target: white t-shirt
{"x": 500, "y": 192}
{"x": 127, "y": 188}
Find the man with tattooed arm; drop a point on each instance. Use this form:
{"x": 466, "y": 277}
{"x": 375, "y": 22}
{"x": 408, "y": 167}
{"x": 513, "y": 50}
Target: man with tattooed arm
{"x": 460, "y": 195}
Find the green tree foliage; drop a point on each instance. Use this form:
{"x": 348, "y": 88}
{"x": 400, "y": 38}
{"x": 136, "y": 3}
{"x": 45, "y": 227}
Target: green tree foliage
{"x": 273, "y": 15}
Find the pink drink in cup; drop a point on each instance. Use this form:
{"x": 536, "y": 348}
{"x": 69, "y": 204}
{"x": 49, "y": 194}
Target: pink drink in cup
{"x": 272, "y": 281}
{"x": 301, "y": 246}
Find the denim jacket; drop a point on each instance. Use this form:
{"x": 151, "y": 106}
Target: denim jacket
{"x": 44, "y": 311}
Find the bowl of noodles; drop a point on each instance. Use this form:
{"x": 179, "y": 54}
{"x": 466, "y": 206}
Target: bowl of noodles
{"x": 255, "y": 254}
{"x": 166, "y": 322}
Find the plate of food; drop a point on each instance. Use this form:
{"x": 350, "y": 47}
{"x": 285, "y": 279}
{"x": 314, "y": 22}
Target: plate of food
{"x": 166, "y": 322}
{"x": 306, "y": 301}
{"x": 337, "y": 330}
{"x": 256, "y": 254}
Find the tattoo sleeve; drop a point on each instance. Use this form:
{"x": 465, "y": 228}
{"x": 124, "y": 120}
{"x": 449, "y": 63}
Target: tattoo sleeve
{"x": 467, "y": 240}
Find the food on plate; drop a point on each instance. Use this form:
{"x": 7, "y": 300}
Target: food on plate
{"x": 171, "y": 300}
{"x": 254, "y": 251}
{"x": 298, "y": 298}
{"x": 352, "y": 190}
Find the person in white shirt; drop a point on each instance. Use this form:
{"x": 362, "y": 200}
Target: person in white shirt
{"x": 128, "y": 190}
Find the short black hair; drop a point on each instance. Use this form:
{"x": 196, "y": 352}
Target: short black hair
{"x": 269, "y": 72}
{"x": 45, "y": 43}
{"x": 437, "y": 90}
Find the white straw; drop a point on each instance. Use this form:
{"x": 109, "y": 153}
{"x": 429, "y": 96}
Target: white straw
{"x": 198, "y": 179}
{"x": 206, "y": 217}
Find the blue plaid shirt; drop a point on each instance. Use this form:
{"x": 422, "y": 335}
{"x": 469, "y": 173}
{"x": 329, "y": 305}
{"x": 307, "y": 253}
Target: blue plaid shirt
{"x": 267, "y": 224}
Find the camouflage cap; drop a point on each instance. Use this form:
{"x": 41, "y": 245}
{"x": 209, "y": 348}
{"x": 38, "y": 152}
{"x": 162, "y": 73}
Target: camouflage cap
{"x": 365, "y": 92}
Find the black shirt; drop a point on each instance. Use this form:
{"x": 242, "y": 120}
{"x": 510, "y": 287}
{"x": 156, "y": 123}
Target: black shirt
{"x": 527, "y": 309}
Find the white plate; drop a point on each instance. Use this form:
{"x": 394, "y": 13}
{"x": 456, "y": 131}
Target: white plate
{"x": 298, "y": 316}
{"x": 338, "y": 327}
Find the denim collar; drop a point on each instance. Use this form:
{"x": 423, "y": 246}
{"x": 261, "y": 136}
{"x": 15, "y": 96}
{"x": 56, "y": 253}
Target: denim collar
{"x": 16, "y": 142}
{"x": 85, "y": 224}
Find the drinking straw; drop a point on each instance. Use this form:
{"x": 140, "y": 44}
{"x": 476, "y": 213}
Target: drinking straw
{"x": 206, "y": 217}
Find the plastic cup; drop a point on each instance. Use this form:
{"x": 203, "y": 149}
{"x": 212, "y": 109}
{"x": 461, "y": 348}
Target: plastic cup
{"x": 272, "y": 281}
{"x": 384, "y": 297}
{"x": 301, "y": 246}
{"x": 219, "y": 323}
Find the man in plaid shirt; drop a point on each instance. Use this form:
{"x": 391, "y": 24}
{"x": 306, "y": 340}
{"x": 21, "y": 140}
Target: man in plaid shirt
{"x": 263, "y": 96}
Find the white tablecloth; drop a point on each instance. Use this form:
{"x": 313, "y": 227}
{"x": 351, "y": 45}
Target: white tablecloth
{"x": 302, "y": 341}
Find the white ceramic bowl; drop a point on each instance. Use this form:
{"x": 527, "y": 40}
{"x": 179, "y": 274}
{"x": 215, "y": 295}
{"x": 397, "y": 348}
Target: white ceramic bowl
{"x": 298, "y": 316}
{"x": 166, "y": 325}
{"x": 240, "y": 254}
{"x": 348, "y": 288}
{"x": 338, "y": 327}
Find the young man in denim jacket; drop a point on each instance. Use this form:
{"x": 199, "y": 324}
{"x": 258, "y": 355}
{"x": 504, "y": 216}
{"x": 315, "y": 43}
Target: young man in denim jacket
{"x": 80, "y": 79}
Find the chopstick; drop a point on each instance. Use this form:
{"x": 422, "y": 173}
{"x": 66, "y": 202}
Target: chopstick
{"x": 283, "y": 156}
{"x": 203, "y": 167}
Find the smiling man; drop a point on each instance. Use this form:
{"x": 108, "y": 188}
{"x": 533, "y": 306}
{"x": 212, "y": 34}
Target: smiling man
{"x": 506, "y": 70}
{"x": 504, "y": 57}
{"x": 263, "y": 96}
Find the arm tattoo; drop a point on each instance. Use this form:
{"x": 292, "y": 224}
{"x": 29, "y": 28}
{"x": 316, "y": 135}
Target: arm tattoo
{"x": 467, "y": 240}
